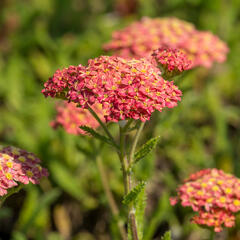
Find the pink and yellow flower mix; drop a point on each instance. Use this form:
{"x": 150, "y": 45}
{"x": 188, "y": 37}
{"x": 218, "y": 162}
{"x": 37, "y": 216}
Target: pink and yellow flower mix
{"x": 70, "y": 117}
{"x": 18, "y": 166}
{"x": 215, "y": 195}
{"x": 124, "y": 88}
{"x": 140, "y": 38}
{"x": 172, "y": 62}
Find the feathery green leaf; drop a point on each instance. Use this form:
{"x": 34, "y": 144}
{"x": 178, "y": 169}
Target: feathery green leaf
{"x": 146, "y": 148}
{"x": 131, "y": 196}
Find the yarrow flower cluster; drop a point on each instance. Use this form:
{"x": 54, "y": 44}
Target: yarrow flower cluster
{"x": 71, "y": 117}
{"x": 212, "y": 193}
{"x": 171, "y": 61}
{"x": 18, "y": 166}
{"x": 125, "y": 88}
{"x": 140, "y": 38}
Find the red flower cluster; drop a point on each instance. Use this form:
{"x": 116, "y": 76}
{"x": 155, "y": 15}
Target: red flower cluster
{"x": 140, "y": 38}
{"x": 125, "y": 88}
{"x": 70, "y": 117}
{"x": 171, "y": 61}
{"x": 212, "y": 193}
{"x": 17, "y": 165}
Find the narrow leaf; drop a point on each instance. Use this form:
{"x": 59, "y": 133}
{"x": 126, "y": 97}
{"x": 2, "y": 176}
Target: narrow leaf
{"x": 167, "y": 236}
{"x": 95, "y": 134}
{"x": 131, "y": 196}
{"x": 146, "y": 148}
{"x": 140, "y": 205}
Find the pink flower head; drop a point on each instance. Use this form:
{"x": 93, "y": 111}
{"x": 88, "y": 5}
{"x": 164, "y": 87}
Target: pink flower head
{"x": 125, "y": 88}
{"x": 212, "y": 193}
{"x": 171, "y": 61}
{"x": 140, "y": 38}
{"x": 18, "y": 166}
{"x": 70, "y": 117}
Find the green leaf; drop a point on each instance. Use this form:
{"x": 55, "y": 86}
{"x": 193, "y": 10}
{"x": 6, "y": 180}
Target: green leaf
{"x": 167, "y": 236}
{"x": 95, "y": 134}
{"x": 131, "y": 196}
{"x": 146, "y": 148}
{"x": 140, "y": 205}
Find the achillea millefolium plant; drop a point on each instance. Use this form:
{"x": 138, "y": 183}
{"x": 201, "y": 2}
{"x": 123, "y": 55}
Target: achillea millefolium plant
{"x": 128, "y": 90}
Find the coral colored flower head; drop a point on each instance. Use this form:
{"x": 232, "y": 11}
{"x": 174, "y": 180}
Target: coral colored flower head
{"x": 212, "y": 193}
{"x": 171, "y": 61}
{"x": 140, "y": 38}
{"x": 125, "y": 88}
{"x": 18, "y": 166}
{"x": 70, "y": 117}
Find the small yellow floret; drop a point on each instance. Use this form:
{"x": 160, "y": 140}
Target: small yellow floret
{"x": 236, "y": 202}
{"x": 22, "y": 159}
{"x": 9, "y": 164}
{"x": 29, "y": 173}
{"x": 222, "y": 199}
{"x": 8, "y": 176}
{"x": 215, "y": 188}
{"x": 228, "y": 190}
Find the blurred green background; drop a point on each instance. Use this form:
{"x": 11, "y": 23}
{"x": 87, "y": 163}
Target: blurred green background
{"x": 39, "y": 36}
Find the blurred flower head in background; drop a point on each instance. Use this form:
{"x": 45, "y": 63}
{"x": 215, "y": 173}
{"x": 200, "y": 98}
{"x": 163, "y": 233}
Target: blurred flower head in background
{"x": 140, "y": 38}
{"x": 18, "y": 166}
{"x": 212, "y": 193}
{"x": 71, "y": 117}
{"x": 125, "y": 88}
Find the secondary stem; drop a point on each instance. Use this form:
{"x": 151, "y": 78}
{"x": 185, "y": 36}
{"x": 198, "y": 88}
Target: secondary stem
{"x": 102, "y": 125}
{"x": 135, "y": 141}
{"x": 110, "y": 198}
{"x": 212, "y": 235}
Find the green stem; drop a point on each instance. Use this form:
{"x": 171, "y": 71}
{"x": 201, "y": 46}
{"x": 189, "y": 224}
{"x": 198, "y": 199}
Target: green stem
{"x": 10, "y": 192}
{"x": 128, "y": 181}
{"x": 125, "y": 128}
{"x": 110, "y": 198}
{"x": 135, "y": 141}
{"x": 102, "y": 125}
{"x": 212, "y": 235}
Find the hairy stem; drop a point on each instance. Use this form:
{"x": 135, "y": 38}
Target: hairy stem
{"x": 110, "y": 198}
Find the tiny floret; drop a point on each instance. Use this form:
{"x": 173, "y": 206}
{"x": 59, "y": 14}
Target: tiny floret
{"x": 215, "y": 195}
{"x": 18, "y": 166}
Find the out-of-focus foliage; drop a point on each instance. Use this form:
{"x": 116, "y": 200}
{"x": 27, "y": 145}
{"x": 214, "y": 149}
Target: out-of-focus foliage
{"x": 36, "y": 38}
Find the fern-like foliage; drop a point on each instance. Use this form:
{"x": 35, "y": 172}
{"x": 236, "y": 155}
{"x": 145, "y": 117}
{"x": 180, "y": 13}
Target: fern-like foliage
{"x": 140, "y": 205}
{"x": 133, "y": 194}
{"x": 145, "y": 149}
